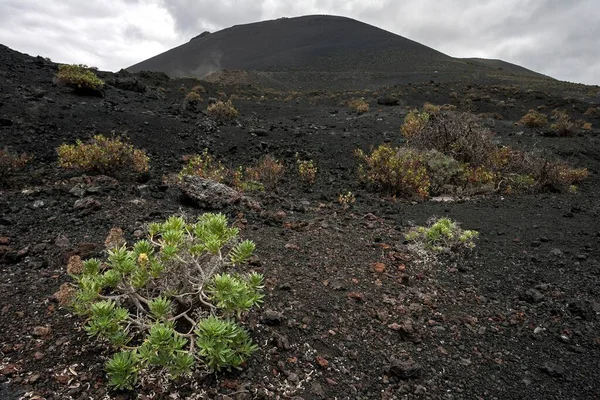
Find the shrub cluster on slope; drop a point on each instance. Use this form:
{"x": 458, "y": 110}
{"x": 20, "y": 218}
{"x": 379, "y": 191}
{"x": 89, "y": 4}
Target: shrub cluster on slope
{"x": 265, "y": 174}
{"x": 449, "y": 152}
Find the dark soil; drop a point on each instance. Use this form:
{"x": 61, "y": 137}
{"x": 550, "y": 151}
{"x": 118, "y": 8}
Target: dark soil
{"x": 518, "y": 319}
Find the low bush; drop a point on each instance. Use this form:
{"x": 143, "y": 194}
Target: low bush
{"x": 442, "y": 235}
{"x": 193, "y": 98}
{"x": 10, "y": 163}
{"x": 346, "y": 200}
{"x": 400, "y": 171}
{"x": 205, "y": 166}
{"x": 307, "y": 170}
{"x": 431, "y": 108}
{"x": 103, "y": 155}
{"x": 267, "y": 171}
{"x": 534, "y": 119}
{"x": 562, "y": 125}
{"x": 458, "y": 135}
{"x": 414, "y": 123}
{"x": 79, "y": 77}
{"x": 167, "y": 302}
{"x": 222, "y": 111}
{"x": 359, "y": 106}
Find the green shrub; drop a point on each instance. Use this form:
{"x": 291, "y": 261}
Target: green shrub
{"x": 307, "y": 170}
{"x": 103, "y": 155}
{"x": 205, "y": 166}
{"x": 147, "y": 300}
{"x": 400, "y": 171}
{"x": 79, "y": 77}
{"x": 442, "y": 235}
{"x": 222, "y": 343}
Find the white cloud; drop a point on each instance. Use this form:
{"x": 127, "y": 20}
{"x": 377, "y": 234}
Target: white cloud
{"x": 554, "y": 37}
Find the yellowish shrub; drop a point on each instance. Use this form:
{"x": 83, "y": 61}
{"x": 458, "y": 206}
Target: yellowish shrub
{"x": 431, "y": 108}
{"x": 79, "y": 77}
{"x": 359, "y": 106}
{"x": 563, "y": 126}
{"x": 307, "y": 170}
{"x": 222, "y": 111}
{"x": 534, "y": 119}
{"x": 414, "y": 123}
{"x": 193, "y": 97}
{"x": 103, "y": 155}
{"x": 400, "y": 171}
{"x": 205, "y": 166}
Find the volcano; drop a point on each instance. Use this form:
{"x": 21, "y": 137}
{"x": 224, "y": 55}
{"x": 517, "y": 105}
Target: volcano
{"x": 323, "y": 51}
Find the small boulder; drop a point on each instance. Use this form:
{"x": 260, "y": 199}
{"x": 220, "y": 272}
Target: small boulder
{"x": 388, "y": 101}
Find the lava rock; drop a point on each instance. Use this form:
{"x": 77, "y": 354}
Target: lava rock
{"x": 387, "y": 101}
{"x": 272, "y": 317}
{"x": 206, "y": 193}
{"x": 404, "y": 369}
{"x": 533, "y": 296}
{"x": 87, "y": 203}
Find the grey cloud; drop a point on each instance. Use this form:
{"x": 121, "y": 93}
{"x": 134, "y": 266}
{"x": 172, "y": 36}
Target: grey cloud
{"x": 555, "y": 37}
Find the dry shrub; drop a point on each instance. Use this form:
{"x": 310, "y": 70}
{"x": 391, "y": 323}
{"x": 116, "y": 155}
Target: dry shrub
{"x": 65, "y": 294}
{"x": 114, "y": 239}
{"x": 592, "y": 112}
{"x": 103, "y": 155}
{"x": 448, "y": 107}
{"x": 79, "y": 77}
{"x": 414, "y": 122}
{"x": 205, "y": 166}
{"x": 75, "y": 265}
{"x": 458, "y": 135}
{"x": 222, "y": 111}
{"x": 587, "y": 126}
{"x": 563, "y": 126}
{"x": 267, "y": 171}
{"x": 534, "y": 119}
{"x": 10, "y": 163}
{"x": 431, "y": 108}
{"x": 198, "y": 89}
{"x": 537, "y": 172}
{"x": 193, "y": 98}
{"x": 359, "y": 106}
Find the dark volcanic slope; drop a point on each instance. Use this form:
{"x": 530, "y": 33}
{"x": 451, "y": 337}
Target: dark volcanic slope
{"x": 295, "y": 50}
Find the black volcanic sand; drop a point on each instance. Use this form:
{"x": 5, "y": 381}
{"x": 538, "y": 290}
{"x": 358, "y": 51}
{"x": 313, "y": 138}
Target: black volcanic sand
{"x": 518, "y": 319}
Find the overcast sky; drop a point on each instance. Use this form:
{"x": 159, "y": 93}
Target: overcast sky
{"x": 559, "y": 38}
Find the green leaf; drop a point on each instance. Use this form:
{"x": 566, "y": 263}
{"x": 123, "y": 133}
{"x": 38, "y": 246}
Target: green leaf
{"x": 122, "y": 370}
{"x": 242, "y": 252}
